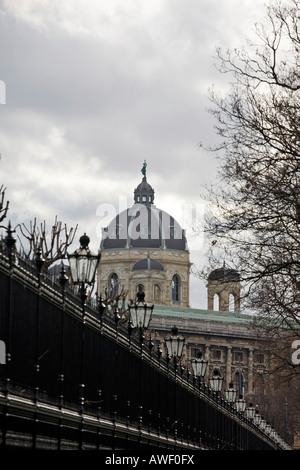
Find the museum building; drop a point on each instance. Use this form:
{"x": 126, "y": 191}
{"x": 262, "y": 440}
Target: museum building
{"x": 145, "y": 248}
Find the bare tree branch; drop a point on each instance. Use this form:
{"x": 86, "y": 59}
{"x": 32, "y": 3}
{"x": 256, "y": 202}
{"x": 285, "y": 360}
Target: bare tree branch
{"x": 53, "y": 245}
{"x": 3, "y": 205}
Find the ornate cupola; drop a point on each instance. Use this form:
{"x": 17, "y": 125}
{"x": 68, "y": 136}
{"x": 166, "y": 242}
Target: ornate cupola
{"x": 144, "y": 246}
{"x": 144, "y": 193}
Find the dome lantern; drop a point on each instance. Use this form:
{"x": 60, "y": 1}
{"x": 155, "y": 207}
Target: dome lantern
{"x": 144, "y": 193}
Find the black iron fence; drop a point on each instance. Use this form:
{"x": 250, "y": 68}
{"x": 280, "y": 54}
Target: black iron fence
{"x": 87, "y": 381}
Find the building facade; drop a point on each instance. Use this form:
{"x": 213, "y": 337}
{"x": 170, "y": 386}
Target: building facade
{"x": 144, "y": 247}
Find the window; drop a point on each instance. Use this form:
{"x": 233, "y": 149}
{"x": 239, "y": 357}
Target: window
{"x": 156, "y": 293}
{"x": 238, "y": 383}
{"x": 216, "y": 302}
{"x": 114, "y": 284}
{"x": 238, "y": 356}
{"x": 175, "y": 288}
{"x": 196, "y": 353}
{"x": 259, "y": 358}
{"x": 231, "y": 306}
{"x": 217, "y": 354}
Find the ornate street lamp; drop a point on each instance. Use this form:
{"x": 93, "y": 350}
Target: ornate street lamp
{"x": 199, "y": 366}
{"x": 10, "y": 242}
{"x": 250, "y": 411}
{"x": 174, "y": 344}
{"x": 83, "y": 265}
{"x": 216, "y": 381}
{"x": 39, "y": 261}
{"x": 63, "y": 278}
{"x": 257, "y": 418}
{"x": 230, "y": 393}
{"x": 240, "y": 404}
{"x": 141, "y": 312}
{"x": 268, "y": 428}
{"x": 263, "y": 424}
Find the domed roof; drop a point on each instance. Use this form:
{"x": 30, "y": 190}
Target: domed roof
{"x": 148, "y": 263}
{"x": 224, "y": 274}
{"x": 143, "y": 225}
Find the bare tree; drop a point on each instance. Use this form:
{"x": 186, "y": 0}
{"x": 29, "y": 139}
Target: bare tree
{"x": 112, "y": 299}
{"x": 253, "y": 221}
{"x": 254, "y": 216}
{"x": 53, "y": 245}
{"x": 3, "y": 205}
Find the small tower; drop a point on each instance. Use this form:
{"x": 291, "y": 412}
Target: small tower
{"x": 225, "y": 284}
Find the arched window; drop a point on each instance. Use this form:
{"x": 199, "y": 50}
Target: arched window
{"x": 175, "y": 288}
{"x": 216, "y": 302}
{"x": 114, "y": 284}
{"x": 238, "y": 383}
{"x": 156, "y": 293}
{"x": 231, "y": 306}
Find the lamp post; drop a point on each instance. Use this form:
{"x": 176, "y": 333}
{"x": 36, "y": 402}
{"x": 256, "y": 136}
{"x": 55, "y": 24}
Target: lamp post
{"x": 268, "y": 428}
{"x": 83, "y": 265}
{"x": 9, "y": 248}
{"x": 140, "y": 314}
{"x": 230, "y": 394}
{"x": 174, "y": 344}
{"x": 63, "y": 279}
{"x": 240, "y": 404}
{"x": 39, "y": 262}
{"x": 250, "y": 412}
{"x": 257, "y": 418}
{"x": 10, "y": 242}
{"x": 140, "y": 317}
{"x": 263, "y": 424}
{"x": 216, "y": 381}
{"x": 199, "y": 366}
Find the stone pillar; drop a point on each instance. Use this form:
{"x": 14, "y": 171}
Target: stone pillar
{"x": 250, "y": 371}
{"x": 228, "y": 365}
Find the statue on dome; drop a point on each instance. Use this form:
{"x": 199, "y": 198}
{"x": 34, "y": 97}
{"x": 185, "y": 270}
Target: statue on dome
{"x": 143, "y": 170}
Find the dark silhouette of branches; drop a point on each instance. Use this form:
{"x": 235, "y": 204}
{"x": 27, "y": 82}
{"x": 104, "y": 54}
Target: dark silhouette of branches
{"x": 53, "y": 245}
{"x": 3, "y": 205}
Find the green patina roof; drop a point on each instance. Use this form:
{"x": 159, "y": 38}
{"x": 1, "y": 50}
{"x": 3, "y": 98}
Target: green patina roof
{"x": 198, "y": 314}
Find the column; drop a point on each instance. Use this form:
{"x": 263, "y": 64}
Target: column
{"x": 250, "y": 371}
{"x": 228, "y": 365}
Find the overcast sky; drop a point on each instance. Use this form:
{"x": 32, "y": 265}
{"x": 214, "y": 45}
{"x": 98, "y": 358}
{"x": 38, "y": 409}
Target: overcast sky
{"x": 93, "y": 88}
